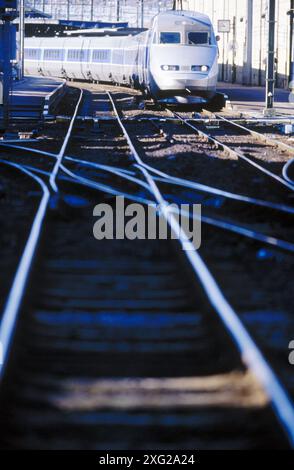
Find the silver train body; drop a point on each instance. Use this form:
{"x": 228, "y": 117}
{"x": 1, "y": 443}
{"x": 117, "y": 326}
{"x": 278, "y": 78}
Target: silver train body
{"x": 176, "y": 57}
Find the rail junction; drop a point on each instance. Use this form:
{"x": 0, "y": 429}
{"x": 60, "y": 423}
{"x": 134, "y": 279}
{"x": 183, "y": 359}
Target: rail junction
{"x": 118, "y": 343}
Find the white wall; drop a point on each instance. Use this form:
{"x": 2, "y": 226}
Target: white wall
{"x": 252, "y": 29}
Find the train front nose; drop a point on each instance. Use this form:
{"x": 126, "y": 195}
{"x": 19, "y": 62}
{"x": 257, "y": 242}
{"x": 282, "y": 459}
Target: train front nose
{"x": 183, "y": 70}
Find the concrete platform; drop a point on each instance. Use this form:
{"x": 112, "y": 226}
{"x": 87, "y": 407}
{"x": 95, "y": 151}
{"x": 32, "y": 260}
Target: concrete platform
{"x": 251, "y": 100}
{"x": 30, "y": 96}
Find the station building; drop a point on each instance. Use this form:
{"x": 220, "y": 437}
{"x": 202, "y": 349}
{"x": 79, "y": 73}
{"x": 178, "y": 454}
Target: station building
{"x": 243, "y": 50}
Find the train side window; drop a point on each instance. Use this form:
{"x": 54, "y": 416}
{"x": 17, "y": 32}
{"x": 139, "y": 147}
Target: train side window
{"x": 77, "y": 55}
{"x": 170, "y": 38}
{"x": 53, "y": 54}
{"x": 198, "y": 37}
{"x": 73, "y": 55}
{"x": 84, "y": 55}
{"x": 101, "y": 56}
{"x": 32, "y": 54}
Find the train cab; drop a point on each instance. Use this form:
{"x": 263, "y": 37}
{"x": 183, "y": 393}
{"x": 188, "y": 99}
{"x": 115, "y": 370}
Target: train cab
{"x": 183, "y": 55}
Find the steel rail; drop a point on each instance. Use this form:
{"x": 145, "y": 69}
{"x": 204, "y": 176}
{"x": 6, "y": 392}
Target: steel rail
{"x": 285, "y": 171}
{"x": 85, "y": 181}
{"x": 263, "y": 138}
{"x": 28, "y": 149}
{"x": 234, "y": 152}
{"x": 250, "y": 353}
{"x": 74, "y": 159}
{"x": 17, "y": 291}
{"x": 112, "y": 170}
{"x": 16, "y": 294}
{"x": 172, "y": 179}
{"x": 117, "y": 171}
{"x": 93, "y": 185}
{"x": 101, "y": 186}
{"x": 60, "y": 155}
{"x": 158, "y": 119}
{"x": 168, "y": 179}
{"x": 221, "y": 224}
{"x": 245, "y": 232}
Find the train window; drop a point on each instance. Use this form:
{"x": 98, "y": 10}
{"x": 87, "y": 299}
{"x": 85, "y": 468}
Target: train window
{"x": 77, "y": 55}
{"x": 117, "y": 56}
{"x": 170, "y": 38}
{"x": 197, "y": 37}
{"x": 101, "y": 56}
{"x": 54, "y": 54}
{"x": 32, "y": 54}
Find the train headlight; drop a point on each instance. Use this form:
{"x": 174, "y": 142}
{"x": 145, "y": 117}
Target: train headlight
{"x": 199, "y": 68}
{"x": 170, "y": 68}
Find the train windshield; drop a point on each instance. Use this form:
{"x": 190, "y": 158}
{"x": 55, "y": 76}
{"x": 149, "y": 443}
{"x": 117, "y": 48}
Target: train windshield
{"x": 170, "y": 38}
{"x": 197, "y": 37}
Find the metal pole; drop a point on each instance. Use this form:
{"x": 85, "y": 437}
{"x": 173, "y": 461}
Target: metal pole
{"x": 21, "y": 36}
{"x": 234, "y": 69}
{"x": 92, "y": 10}
{"x": 117, "y": 10}
{"x": 291, "y": 75}
{"x": 223, "y": 60}
{"x": 142, "y": 13}
{"x": 270, "y": 73}
{"x": 138, "y": 3}
{"x": 178, "y": 4}
{"x": 6, "y": 72}
{"x": 247, "y": 68}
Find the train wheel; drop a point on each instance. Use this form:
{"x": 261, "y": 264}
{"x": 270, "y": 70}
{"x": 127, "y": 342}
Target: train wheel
{"x": 217, "y": 103}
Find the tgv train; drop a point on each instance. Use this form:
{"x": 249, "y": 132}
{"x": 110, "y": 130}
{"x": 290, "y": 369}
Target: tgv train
{"x": 176, "y": 57}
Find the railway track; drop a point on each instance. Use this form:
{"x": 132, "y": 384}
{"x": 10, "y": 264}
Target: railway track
{"x": 18, "y": 203}
{"x": 199, "y": 267}
{"x": 260, "y": 205}
{"x": 122, "y": 339}
{"x": 16, "y": 294}
{"x": 245, "y": 144}
{"x": 270, "y": 142}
